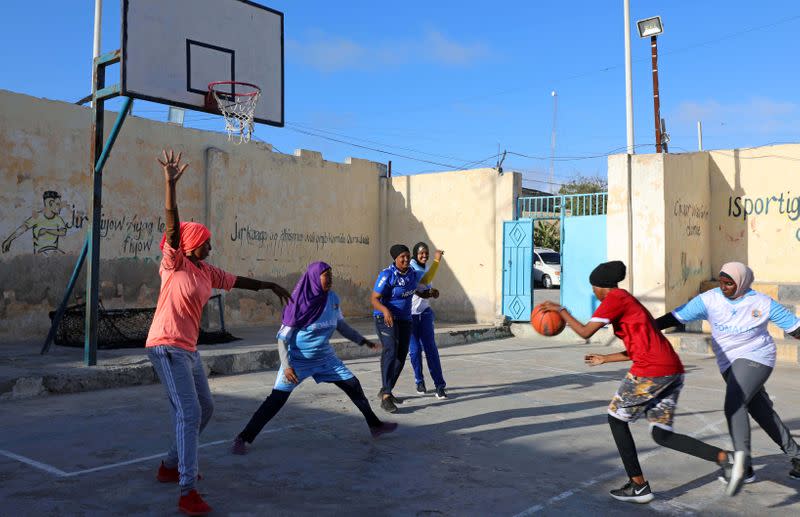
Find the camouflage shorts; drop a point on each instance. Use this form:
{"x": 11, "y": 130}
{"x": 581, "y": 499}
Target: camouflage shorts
{"x": 657, "y": 397}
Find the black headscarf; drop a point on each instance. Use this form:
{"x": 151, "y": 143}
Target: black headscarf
{"x": 608, "y": 274}
{"x": 397, "y": 249}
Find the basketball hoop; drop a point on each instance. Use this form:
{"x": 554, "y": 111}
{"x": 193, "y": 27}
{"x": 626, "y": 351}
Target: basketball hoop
{"x": 237, "y": 105}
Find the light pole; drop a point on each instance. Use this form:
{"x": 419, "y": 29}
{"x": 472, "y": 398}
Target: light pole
{"x": 652, "y": 27}
{"x": 628, "y": 74}
{"x": 553, "y": 141}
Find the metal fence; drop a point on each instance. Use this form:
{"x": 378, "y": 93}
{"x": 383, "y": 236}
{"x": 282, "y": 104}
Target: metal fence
{"x": 556, "y": 207}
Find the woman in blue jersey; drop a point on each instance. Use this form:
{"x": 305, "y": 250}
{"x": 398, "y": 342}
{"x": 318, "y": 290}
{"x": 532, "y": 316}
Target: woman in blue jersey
{"x": 391, "y": 299}
{"x": 423, "y": 339}
{"x": 309, "y": 320}
{"x": 746, "y": 356}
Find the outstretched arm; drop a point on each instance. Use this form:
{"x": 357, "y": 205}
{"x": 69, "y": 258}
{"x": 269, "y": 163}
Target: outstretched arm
{"x": 595, "y": 359}
{"x": 428, "y": 277}
{"x": 584, "y": 331}
{"x": 19, "y": 231}
{"x": 173, "y": 170}
{"x": 667, "y": 321}
{"x": 251, "y": 284}
{"x": 353, "y": 335}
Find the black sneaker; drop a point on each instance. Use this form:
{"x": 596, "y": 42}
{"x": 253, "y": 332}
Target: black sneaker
{"x": 421, "y": 390}
{"x": 795, "y": 472}
{"x": 633, "y": 493}
{"x": 387, "y": 405}
{"x": 396, "y": 400}
{"x": 440, "y": 393}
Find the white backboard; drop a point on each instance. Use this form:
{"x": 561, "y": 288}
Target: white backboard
{"x": 172, "y": 49}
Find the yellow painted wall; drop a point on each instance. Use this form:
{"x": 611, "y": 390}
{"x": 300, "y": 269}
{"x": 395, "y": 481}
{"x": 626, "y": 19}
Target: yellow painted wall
{"x": 693, "y": 212}
{"x": 270, "y": 215}
{"x": 687, "y": 228}
{"x": 755, "y": 213}
{"x": 461, "y": 212}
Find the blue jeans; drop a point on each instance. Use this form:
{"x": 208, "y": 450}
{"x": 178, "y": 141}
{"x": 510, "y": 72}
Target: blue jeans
{"x": 181, "y": 372}
{"x": 395, "y": 341}
{"x": 423, "y": 340}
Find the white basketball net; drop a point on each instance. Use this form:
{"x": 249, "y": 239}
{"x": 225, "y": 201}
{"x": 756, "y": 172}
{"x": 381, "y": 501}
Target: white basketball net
{"x": 238, "y": 110}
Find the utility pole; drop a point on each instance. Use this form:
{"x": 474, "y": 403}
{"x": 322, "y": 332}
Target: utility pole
{"x": 656, "y": 101}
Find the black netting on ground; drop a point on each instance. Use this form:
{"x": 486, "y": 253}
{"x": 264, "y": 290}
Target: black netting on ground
{"x": 119, "y": 328}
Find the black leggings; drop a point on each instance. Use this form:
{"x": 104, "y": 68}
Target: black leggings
{"x": 275, "y": 401}
{"x": 679, "y": 442}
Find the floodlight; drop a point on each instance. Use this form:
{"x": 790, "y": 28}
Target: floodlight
{"x": 650, "y": 27}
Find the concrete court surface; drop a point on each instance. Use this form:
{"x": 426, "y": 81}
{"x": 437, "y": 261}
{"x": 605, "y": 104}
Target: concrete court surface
{"x": 523, "y": 433}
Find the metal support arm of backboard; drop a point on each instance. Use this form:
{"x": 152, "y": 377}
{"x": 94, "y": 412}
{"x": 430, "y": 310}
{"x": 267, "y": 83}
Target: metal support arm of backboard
{"x": 91, "y": 247}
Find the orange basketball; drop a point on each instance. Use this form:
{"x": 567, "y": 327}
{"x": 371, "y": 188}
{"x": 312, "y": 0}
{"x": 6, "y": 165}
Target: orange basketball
{"x": 547, "y": 323}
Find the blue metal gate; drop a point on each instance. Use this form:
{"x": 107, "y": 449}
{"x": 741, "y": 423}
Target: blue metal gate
{"x": 583, "y": 247}
{"x": 517, "y": 269}
{"x": 582, "y": 220}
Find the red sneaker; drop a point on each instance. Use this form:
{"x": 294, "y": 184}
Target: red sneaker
{"x": 193, "y": 504}
{"x": 168, "y": 475}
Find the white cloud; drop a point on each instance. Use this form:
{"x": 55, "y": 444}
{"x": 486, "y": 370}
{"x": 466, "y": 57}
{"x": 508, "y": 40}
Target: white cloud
{"x": 758, "y": 114}
{"x": 329, "y": 53}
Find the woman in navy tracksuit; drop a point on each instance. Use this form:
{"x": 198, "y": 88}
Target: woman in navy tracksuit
{"x": 391, "y": 299}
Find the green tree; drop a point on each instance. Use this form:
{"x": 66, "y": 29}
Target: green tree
{"x": 547, "y": 234}
{"x": 590, "y": 205}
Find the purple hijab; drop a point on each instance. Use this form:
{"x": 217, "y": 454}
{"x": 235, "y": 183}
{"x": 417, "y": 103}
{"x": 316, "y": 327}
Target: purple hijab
{"x": 308, "y": 299}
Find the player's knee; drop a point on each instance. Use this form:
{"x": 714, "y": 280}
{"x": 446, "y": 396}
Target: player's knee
{"x": 660, "y": 435}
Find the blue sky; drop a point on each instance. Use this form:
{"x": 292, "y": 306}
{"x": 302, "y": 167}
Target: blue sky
{"x": 449, "y": 83}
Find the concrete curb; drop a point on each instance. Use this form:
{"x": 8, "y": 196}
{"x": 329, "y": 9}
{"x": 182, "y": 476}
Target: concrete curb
{"x": 253, "y": 358}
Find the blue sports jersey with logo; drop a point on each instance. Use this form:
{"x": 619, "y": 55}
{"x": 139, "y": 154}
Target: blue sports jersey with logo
{"x": 312, "y": 343}
{"x": 396, "y": 290}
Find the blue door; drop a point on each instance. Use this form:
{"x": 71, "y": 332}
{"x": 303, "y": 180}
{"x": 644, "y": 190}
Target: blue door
{"x": 583, "y": 247}
{"x": 517, "y": 269}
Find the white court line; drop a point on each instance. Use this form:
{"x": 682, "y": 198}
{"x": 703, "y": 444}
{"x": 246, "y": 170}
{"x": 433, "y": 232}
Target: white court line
{"x": 60, "y": 473}
{"x": 602, "y": 477}
{"x": 34, "y": 463}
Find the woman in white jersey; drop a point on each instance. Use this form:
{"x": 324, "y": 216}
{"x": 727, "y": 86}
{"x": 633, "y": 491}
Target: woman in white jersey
{"x": 423, "y": 338}
{"x": 746, "y": 356}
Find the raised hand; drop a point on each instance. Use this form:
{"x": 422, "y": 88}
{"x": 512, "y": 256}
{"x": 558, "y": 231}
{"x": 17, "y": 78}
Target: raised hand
{"x": 438, "y": 255}
{"x": 171, "y": 164}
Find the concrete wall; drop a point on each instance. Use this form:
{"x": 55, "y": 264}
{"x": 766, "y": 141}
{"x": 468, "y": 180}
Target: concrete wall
{"x": 755, "y": 210}
{"x": 270, "y": 215}
{"x": 461, "y": 212}
{"x": 693, "y": 212}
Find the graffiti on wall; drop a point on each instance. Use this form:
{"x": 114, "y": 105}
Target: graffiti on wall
{"x": 46, "y": 226}
{"x": 49, "y": 226}
{"x": 693, "y": 214}
{"x": 258, "y": 237}
{"x": 742, "y": 207}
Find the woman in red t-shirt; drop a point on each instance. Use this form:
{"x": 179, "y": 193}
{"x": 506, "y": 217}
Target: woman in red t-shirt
{"x": 186, "y": 283}
{"x": 650, "y": 388}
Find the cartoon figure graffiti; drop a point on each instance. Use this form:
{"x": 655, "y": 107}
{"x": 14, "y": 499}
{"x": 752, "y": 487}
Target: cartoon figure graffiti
{"x": 47, "y": 226}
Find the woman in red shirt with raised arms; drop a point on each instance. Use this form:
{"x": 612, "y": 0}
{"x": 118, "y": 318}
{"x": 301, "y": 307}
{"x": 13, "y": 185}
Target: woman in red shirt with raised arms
{"x": 186, "y": 283}
{"x": 650, "y": 388}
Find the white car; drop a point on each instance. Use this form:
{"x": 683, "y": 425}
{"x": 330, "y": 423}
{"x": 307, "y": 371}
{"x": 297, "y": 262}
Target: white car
{"x": 546, "y": 267}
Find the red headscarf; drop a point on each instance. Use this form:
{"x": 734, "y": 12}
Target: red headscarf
{"x": 193, "y": 235}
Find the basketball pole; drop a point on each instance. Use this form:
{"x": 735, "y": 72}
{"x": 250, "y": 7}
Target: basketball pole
{"x": 91, "y": 246}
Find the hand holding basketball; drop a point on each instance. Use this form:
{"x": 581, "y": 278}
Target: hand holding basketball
{"x": 173, "y": 169}
{"x": 547, "y": 321}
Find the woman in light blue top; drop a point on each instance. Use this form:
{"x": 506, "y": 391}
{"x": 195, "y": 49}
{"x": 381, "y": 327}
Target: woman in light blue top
{"x": 745, "y": 354}
{"x": 309, "y": 320}
{"x": 423, "y": 338}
